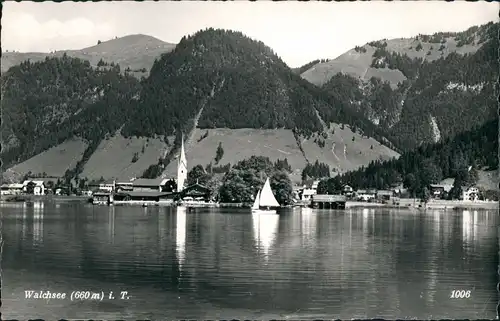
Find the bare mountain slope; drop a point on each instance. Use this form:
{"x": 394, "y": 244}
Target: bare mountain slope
{"x": 137, "y": 52}
{"x": 357, "y": 62}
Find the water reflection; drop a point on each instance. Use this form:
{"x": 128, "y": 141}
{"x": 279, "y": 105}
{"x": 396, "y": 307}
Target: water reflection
{"x": 347, "y": 264}
{"x": 308, "y": 225}
{"x": 265, "y": 227}
{"x": 38, "y": 222}
{"x": 111, "y": 224}
{"x": 180, "y": 235}
{"x": 24, "y": 223}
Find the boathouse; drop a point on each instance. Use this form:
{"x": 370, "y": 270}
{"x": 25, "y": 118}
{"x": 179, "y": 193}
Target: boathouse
{"x": 150, "y": 196}
{"x": 102, "y": 198}
{"x": 325, "y": 201}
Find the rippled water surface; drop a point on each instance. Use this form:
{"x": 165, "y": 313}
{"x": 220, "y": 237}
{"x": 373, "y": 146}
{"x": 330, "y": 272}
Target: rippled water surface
{"x": 231, "y": 264}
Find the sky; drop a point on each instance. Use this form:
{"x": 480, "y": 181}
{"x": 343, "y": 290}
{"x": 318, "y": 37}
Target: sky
{"x": 299, "y": 32}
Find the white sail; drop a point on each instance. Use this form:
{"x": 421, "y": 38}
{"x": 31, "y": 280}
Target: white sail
{"x": 267, "y": 198}
{"x": 256, "y": 201}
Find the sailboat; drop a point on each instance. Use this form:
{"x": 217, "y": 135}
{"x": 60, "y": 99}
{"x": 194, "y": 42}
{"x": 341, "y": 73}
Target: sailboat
{"x": 265, "y": 200}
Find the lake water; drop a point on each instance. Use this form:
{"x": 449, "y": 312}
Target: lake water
{"x": 225, "y": 264}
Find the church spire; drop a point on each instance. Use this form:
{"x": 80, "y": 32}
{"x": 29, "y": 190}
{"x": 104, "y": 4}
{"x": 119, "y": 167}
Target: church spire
{"x": 181, "y": 167}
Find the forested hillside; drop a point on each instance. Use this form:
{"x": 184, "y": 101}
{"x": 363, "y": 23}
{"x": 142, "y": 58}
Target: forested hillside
{"x": 436, "y": 96}
{"x": 134, "y": 53}
{"x": 212, "y": 79}
{"x": 223, "y": 79}
{"x": 46, "y": 103}
{"x": 459, "y": 158}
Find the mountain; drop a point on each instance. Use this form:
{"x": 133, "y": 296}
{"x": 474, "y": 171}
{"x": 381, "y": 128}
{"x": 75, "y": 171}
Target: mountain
{"x": 136, "y": 52}
{"x": 467, "y": 158}
{"x": 62, "y": 100}
{"x": 420, "y": 90}
{"x": 215, "y": 83}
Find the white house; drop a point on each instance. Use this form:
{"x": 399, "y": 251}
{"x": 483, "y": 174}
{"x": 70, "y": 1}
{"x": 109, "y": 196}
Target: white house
{"x": 347, "y": 190}
{"x": 366, "y": 195}
{"x": 38, "y": 188}
{"x": 470, "y": 194}
{"x": 308, "y": 193}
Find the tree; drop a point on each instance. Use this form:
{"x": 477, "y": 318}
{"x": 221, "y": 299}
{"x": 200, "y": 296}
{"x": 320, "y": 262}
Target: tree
{"x": 170, "y": 186}
{"x": 30, "y": 187}
{"x": 198, "y": 175}
{"x": 235, "y": 189}
{"x": 99, "y": 42}
{"x": 426, "y": 195}
{"x": 219, "y": 153}
{"x": 282, "y": 187}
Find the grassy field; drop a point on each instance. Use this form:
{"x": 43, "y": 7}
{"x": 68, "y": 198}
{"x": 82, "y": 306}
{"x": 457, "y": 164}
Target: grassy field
{"x": 54, "y": 161}
{"x": 113, "y": 157}
{"x": 239, "y": 144}
{"x": 357, "y": 64}
{"x": 133, "y": 51}
{"x": 343, "y": 153}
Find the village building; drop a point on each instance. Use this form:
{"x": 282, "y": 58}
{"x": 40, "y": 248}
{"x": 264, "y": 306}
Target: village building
{"x": 440, "y": 191}
{"x": 123, "y": 185}
{"x": 366, "y": 195}
{"x": 148, "y": 184}
{"x": 195, "y": 192}
{"x": 143, "y": 196}
{"x": 328, "y": 201}
{"x": 307, "y": 193}
{"x": 181, "y": 168}
{"x": 107, "y": 186}
{"x": 384, "y": 195}
{"x": 470, "y": 194}
{"x": 12, "y": 189}
{"x": 347, "y": 191}
{"x": 34, "y": 187}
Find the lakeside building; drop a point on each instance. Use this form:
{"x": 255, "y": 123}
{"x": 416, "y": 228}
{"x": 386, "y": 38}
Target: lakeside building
{"x": 148, "y": 184}
{"x": 470, "y": 194}
{"x": 347, "y": 191}
{"x": 328, "y": 201}
{"x": 366, "y": 195}
{"x": 306, "y": 193}
{"x": 35, "y": 187}
{"x": 12, "y": 189}
{"x": 440, "y": 190}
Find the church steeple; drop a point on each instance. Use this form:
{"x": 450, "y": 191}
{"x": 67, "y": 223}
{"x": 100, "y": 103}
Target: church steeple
{"x": 181, "y": 167}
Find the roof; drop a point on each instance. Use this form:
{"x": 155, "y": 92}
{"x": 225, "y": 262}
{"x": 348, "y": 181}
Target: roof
{"x": 144, "y": 194}
{"x": 365, "y": 191}
{"x": 101, "y": 194}
{"x": 309, "y": 191}
{"x": 43, "y": 179}
{"x": 36, "y": 182}
{"x": 148, "y": 182}
{"x": 384, "y": 192}
{"x": 15, "y": 185}
{"x": 446, "y": 187}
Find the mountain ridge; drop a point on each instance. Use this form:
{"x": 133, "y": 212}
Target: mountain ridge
{"x": 212, "y": 79}
{"x": 136, "y": 52}
{"x": 422, "y": 100}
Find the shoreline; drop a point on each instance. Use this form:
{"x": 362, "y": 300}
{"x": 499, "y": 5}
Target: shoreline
{"x": 403, "y": 204}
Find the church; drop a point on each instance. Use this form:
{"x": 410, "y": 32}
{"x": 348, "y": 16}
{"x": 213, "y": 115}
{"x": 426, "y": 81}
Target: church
{"x": 192, "y": 192}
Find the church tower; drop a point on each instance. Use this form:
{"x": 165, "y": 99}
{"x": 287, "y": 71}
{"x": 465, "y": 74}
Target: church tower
{"x": 181, "y": 168}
